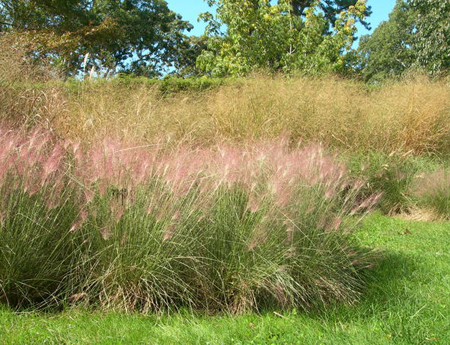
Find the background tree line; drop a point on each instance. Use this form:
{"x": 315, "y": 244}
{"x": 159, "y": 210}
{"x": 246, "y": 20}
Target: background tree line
{"x": 144, "y": 37}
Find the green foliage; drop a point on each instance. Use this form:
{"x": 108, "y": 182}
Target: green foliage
{"x": 414, "y": 37}
{"x": 387, "y": 51}
{"x": 188, "y": 51}
{"x": 135, "y": 35}
{"x": 166, "y": 86}
{"x": 264, "y": 36}
{"x": 432, "y": 41}
{"x": 172, "y": 84}
{"x": 330, "y": 8}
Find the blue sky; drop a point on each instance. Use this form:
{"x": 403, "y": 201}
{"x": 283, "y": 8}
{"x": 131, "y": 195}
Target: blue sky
{"x": 190, "y": 9}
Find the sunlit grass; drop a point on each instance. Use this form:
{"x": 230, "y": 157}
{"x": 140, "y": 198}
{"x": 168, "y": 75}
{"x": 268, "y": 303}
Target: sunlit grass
{"x": 410, "y": 116}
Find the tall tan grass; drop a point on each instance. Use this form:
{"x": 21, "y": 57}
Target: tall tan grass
{"x": 408, "y": 116}
{"x": 29, "y": 93}
{"x": 412, "y": 115}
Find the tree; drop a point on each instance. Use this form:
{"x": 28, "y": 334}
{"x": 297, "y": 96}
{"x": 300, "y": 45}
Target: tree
{"x": 130, "y": 35}
{"x": 416, "y": 36}
{"x": 330, "y": 8}
{"x": 432, "y": 38}
{"x": 261, "y": 35}
{"x": 187, "y": 53}
{"x": 388, "y": 52}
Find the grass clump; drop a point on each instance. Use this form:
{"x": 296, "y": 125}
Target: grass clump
{"x": 432, "y": 191}
{"x": 36, "y": 213}
{"x": 390, "y": 174}
{"x": 137, "y": 259}
{"x": 37, "y": 248}
{"x": 233, "y": 228}
{"x": 411, "y": 116}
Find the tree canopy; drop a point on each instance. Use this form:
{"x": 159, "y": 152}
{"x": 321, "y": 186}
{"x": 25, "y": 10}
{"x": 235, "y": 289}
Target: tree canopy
{"x": 432, "y": 38}
{"x": 330, "y": 8}
{"x": 387, "y": 51}
{"x": 131, "y": 35}
{"x": 145, "y": 37}
{"x": 260, "y": 35}
{"x": 416, "y": 36}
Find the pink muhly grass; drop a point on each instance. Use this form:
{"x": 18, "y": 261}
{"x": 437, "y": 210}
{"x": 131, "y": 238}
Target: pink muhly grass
{"x": 334, "y": 224}
{"x": 290, "y": 234}
{"x": 116, "y": 164}
{"x": 180, "y": 167}
{"x": 161, "y": 209}
{"x": 53, "y": 162}
{"x": 254, "y": 203}
{"x": 311, "y": 207}
{"x": 117, "y": 209}
{"x": 103, "y": 187}
{"x": 258, "y": 239}
{"x": 119, "y": 213}
{"x": 169, "y": 232}
{"x": 150, "y": 209}
{"x": 52, "y": 201}
{"x": 76, "y": 152}
{"x": 176, "y": 215}
{"x": 282, "y": 192}
{"x": 82, "y": 217}
{"x": 2, "y": 217}
{"x": 368, "y": 203}
{"x": 53, "y": 190}
{"x": 113, "y": 162}
{"x": 330, "y": 192}
{"x": 322, "y": 222}
{"x": 25, "y": 154}
{"x": 88, "y": 194}
{"x": 34, "y": 187}
{"x": 106, "y": 233}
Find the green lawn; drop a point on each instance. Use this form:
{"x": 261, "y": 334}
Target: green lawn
{"x": 407, "y": 302}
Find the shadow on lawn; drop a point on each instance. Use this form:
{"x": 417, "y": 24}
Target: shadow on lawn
{"x": 385, "y": 289}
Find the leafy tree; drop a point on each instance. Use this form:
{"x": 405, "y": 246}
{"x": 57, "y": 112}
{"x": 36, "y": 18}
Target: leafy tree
{"x": 330, "y": 8}
{"x": 187, "y": 53}
{"x": 387, "y": 51}
{"x": 261, "y": 35}
{"x": 415, "y": 36}
{"x": 432, "y": 39}
{"x": 132, "y": 35}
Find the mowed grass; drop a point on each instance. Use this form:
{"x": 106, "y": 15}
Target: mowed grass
{"x": 406, "y": 302}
